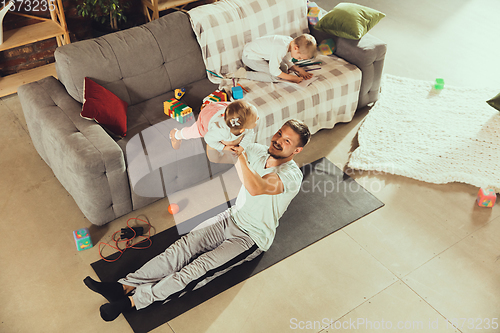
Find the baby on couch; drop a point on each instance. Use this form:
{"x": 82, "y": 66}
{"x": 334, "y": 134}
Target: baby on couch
{"x": 271, "y": 58}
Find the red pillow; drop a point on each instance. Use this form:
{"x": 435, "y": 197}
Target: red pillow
{"x": 104, "y": 107}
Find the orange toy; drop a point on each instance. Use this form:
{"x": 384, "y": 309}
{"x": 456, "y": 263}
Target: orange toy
{"x": 173, "y": 208}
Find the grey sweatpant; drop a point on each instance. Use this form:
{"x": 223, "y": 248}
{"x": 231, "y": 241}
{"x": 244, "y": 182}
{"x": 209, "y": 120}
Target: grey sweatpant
{"x": 219, "y": 247}
{"x": 261, "y": 68}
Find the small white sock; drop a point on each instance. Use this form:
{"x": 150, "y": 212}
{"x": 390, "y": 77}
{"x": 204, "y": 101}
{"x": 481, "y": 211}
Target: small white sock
{"x": 178, "y": 135}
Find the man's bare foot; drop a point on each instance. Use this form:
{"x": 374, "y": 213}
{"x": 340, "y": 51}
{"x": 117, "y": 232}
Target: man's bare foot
{"x": 176, "y": 144}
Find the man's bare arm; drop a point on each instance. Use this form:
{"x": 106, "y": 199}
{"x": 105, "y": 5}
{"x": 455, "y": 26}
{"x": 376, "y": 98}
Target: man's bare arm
{"x": 270, "y": 184}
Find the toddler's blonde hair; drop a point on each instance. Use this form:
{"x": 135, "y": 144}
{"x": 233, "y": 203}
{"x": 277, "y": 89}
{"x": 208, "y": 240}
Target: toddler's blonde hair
{"x": 238, "y": 113}
{"x": 307, "y": 45}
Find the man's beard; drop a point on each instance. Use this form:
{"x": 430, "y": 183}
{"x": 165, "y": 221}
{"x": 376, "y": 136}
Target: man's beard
{"x": 277, "y": 157}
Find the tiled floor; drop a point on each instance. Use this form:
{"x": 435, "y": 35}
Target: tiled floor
{"x": 424, "y": 261}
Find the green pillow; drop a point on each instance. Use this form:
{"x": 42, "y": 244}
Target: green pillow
{"x": 495, "y": 102}
{"x": 349, "y": 20}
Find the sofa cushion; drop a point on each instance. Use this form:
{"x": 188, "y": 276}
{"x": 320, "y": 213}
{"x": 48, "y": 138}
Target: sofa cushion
{"x": 104, "y": 107}
{"x": 136, "y": 64}
{"x": 349, "y": 20}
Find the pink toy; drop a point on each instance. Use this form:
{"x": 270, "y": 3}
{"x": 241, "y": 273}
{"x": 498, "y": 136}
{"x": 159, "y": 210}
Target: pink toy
{"x": 486, "y": 197}
{"x": 82, "y": 239}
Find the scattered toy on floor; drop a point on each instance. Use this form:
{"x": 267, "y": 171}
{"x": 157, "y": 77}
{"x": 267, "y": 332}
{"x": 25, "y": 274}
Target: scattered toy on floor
{"x": 439, "y": 85}
{"x": 486, "y": 197}
{"x": 82, "y": 239}
{"x": 173, "y": 208}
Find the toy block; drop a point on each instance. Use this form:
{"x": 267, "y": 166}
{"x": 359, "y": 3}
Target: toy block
{"x": 237, "y": 92}
{"x": 439, "y": 84}
{"x": 183, "y": 118}
{"x": 177, "y": 110}
{"x": 486, "y": 197}
{"x": 179, "y": 93}
{"x": 82, "y": 239}
{"x": 216, "y": 96}
{"x": 313, "y": 15}
{"x": 221, "y": 95}
{"x": 167, "y": 106}
{"x": 327, "y": 46}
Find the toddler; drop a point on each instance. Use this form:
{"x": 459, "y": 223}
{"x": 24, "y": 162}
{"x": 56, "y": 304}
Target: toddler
{"x": 271, "y": 58}
{"x": 223, "y": 125}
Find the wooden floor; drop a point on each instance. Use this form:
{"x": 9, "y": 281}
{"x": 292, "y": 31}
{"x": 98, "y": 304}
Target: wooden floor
{"x": 423, "y": 262}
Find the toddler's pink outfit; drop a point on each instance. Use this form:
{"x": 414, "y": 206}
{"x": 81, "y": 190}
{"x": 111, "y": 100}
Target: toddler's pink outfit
{"x": 200, "y": 127}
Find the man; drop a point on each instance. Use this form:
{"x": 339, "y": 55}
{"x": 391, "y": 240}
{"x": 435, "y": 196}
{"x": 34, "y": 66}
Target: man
{"x": 270, "y": 178}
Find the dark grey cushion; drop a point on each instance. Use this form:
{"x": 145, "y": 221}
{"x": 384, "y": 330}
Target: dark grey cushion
{"x": 368, "y": 54}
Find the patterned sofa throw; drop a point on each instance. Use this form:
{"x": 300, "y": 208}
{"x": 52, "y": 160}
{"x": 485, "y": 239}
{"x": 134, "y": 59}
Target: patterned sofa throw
{"x": 223, "y": 28}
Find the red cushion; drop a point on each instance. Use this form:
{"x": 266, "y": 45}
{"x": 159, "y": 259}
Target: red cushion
{"x": 104, "y": 107}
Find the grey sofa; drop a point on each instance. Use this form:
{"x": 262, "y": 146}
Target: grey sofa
{"x": 142, "y": 66}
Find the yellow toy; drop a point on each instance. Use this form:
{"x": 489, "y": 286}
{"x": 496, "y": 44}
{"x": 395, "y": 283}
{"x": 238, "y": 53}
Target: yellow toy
{"x": 179, "y": 93}
{"x": 174, "y": 108}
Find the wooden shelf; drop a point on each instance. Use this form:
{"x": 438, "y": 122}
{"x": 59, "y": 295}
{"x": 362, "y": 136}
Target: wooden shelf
{"x": 30, "y": 34}
{"x": 10, "y": 83}
{"x": 46, "y": 29}
{"x": 167, "y": 4}
{"x": 156, "y": 6}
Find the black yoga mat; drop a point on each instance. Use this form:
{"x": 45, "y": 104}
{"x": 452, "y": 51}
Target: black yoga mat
{"x": 328, "y": 200}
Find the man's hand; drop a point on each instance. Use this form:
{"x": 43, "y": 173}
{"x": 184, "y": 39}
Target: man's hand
{"x": 230, "y": 149}
{"x": 237, "y": 150}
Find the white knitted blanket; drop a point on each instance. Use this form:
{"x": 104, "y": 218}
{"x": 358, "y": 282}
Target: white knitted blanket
{"x": 444, "y": 136}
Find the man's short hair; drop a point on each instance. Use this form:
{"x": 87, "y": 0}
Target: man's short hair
{"x": 301, "y": 129}
{"x": 307, "y": 45}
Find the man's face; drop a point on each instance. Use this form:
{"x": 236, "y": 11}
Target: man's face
{"x": 284, "y": 143}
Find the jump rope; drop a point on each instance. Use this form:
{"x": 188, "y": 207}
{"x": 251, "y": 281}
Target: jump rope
{"x": 129, "y": 241}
